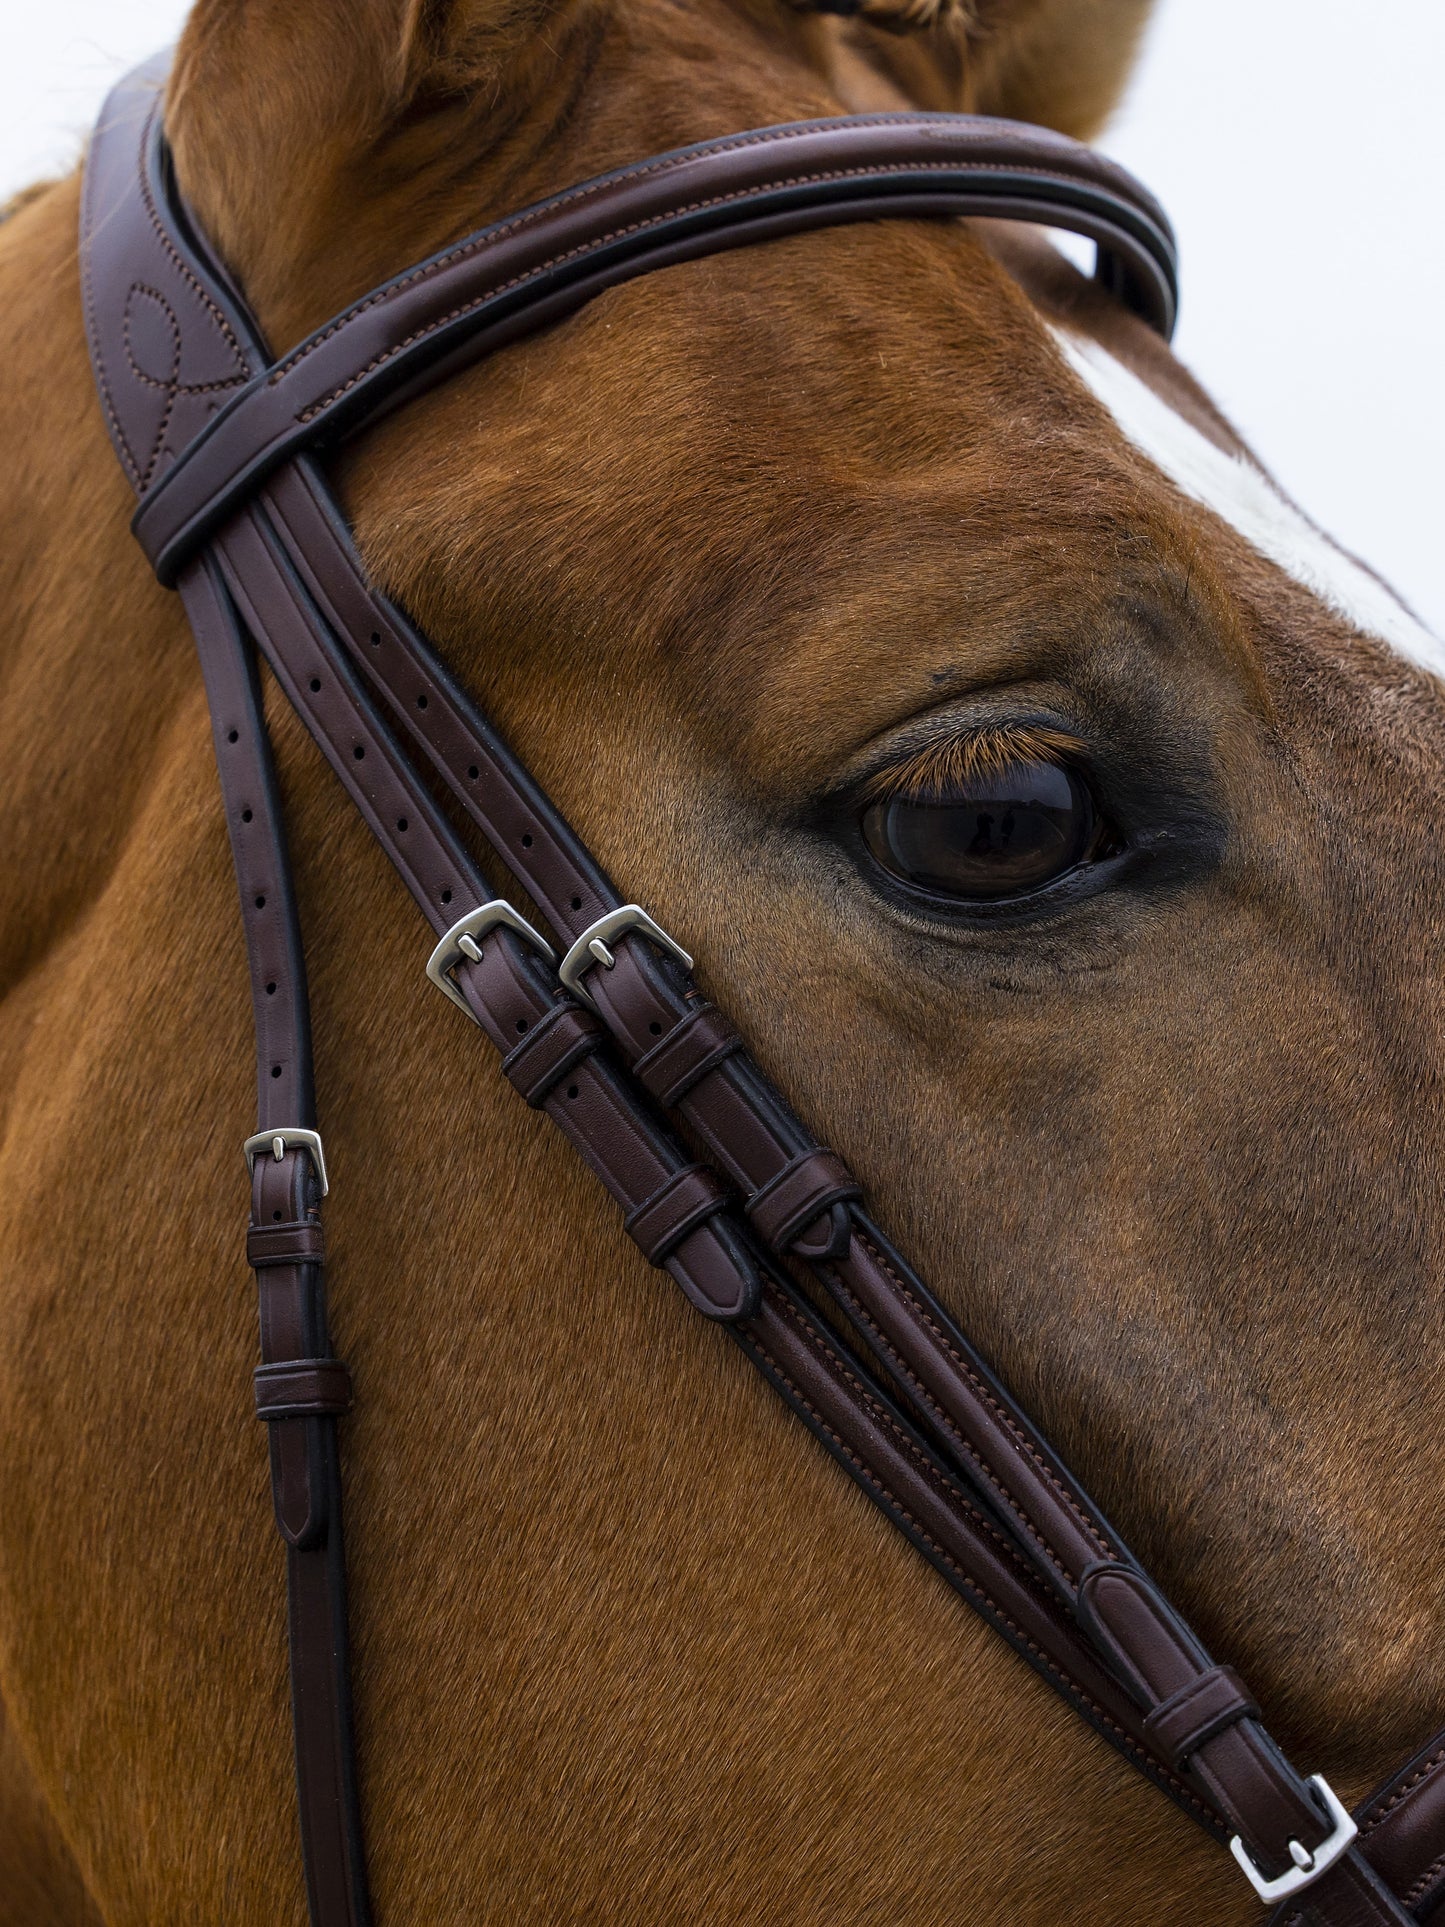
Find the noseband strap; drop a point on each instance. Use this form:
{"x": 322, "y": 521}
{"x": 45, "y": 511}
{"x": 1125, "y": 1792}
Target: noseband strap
{"x": 221, "y": 444}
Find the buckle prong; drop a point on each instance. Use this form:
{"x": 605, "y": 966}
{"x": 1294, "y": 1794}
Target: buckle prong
{"x": 1308, "y": 1866}
{"x": 593, "y": 947}
{"x": 290, "y": 1137}
{"x": 460, "y": 944}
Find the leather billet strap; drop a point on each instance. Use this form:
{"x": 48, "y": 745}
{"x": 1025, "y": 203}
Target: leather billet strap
{"x": 232, "y": 499}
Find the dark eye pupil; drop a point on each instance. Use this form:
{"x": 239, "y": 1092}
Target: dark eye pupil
{"x": 998, "y": 834}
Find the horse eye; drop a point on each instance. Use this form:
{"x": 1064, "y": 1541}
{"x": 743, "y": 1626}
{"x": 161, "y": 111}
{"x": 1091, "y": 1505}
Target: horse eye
{"x": 998, "y": 834}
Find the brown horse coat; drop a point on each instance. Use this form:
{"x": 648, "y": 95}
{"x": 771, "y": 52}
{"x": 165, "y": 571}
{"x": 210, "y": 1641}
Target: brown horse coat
{"x": 718, "y": 554}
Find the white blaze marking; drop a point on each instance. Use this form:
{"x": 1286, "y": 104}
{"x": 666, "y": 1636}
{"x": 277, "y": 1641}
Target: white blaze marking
{"x": 1244, "y": 497}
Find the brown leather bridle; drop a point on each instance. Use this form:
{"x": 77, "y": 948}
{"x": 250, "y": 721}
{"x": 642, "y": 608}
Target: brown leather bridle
{"x": 222, "y": 445}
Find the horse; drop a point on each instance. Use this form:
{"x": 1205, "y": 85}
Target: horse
{"x": 743, "y": 558}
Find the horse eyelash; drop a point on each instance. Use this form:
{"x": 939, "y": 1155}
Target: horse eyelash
{"x": 941, "y": 769}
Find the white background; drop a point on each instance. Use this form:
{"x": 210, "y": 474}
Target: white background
{"x": 1299, "y": 147}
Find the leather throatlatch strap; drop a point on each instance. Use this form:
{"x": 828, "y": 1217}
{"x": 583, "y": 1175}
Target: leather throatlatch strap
{"x": 235, "y": 510}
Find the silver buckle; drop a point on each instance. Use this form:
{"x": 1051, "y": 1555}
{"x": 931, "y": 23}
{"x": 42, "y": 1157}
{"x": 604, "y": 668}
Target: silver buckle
{"x": 289, "y": 1138}
{"x": 460, "y": 945}
{"x": 592, "y": 947}
{"x": 1307, "y": 1866}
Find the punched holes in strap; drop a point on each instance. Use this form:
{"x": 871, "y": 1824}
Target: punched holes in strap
{"x": 659, "y": 1225}
{"x": 1187, "y": 1719}
{"x": 556, "y": 1044}
{"x": 303, "y": 1388}
{"x": 798, "y": 1196}
{"x": 685, "y": 1056}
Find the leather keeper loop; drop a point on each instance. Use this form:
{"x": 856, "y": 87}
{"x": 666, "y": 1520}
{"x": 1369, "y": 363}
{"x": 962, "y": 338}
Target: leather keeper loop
{"x": 301, "y": 1242}
{"x": 555, "y": 1045}
{"x": 685, "y": 1056}
{"x": 659, "y": 1225}
{"x": 799, "y": 1195}
{"x": 303, "y": 1388}
{"x": 1184, "y": 1722}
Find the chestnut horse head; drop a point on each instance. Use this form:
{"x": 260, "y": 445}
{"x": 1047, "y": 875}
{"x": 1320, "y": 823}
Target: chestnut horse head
{"x": 790, "y": 573}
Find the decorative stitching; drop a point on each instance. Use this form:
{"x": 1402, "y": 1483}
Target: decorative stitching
{"x": 927, "y": 1399}
{"x": 140, "y": 479}
{"x": 171, "y": 384}
{"x": 1422, "y": 1772}
{"x": 217, "y": 313}
{"x": 967, "y": 1585}
{"x": 762, "y": 137}
{"x": 1000, "y": 1412}
{"x": 493, "y": 235}
{"x": 170, "y": 388}
{"x": 1427, "y": 1880}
